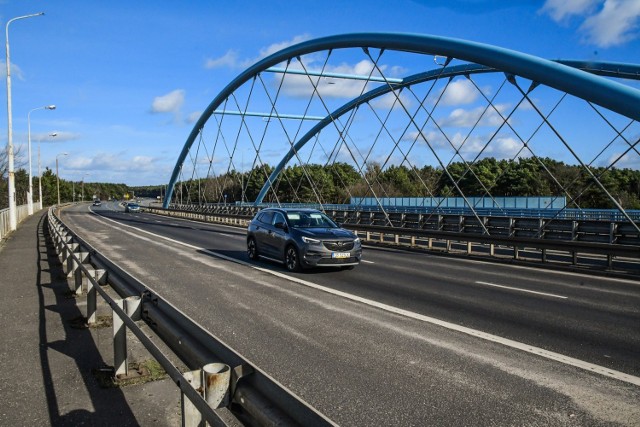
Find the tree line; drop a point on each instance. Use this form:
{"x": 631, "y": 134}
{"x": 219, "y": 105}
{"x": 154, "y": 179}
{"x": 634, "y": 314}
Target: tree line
{"x": 83, "y": 191}
{"x": 337, "y": 183}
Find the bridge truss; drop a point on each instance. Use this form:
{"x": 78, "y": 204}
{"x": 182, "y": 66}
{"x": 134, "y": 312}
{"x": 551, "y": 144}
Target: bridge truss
{"x": 377, "y": 116}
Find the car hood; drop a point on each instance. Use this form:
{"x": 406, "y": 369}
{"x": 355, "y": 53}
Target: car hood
{"x": 327, "y": 233}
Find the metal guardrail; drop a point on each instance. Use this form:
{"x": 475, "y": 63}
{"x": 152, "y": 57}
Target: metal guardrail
{"x": 222, "y": 382}
{"x": 22, "y": 212}
{"x": 556, "y": 214}
{"x": 603, "y": 238}
{"x": 537, "y": 228}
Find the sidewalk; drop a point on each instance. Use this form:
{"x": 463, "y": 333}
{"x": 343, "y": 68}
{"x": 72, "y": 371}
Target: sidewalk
{"x": 47, "y": 363}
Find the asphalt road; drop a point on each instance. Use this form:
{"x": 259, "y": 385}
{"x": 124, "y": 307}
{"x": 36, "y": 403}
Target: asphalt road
{"x": 405, "y": 338}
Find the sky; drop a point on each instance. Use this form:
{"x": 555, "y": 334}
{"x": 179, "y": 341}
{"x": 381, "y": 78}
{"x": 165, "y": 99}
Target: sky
{"x": 130, "y": 78}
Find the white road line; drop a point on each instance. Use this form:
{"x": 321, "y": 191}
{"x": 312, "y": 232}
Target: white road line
{"x": 577, "y": 363}
{"x": 520, "y": 290}
{"x": 367, "y": 262}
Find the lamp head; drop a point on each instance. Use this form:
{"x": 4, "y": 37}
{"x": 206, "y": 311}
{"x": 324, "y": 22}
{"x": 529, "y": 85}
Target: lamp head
{"x": 54, "y": 134}
{"x": 50, "y": 107}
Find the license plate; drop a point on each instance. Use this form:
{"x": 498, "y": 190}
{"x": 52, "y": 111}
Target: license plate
{"x": 340, "y": 255}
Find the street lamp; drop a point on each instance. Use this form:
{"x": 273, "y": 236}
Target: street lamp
{"x": 30, "y": 193}
{"x": 58, "y": 175}
{"x": 82, "y": 190}
{"x": 53, "y": 135}
{"x": 13, "y": 222}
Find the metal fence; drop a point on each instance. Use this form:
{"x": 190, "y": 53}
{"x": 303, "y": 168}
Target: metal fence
{"x": 485, "y": 235}
{"x": 222, "y": 383}
{"x": 22, "y": 212}
{"x": 498, "y": 202}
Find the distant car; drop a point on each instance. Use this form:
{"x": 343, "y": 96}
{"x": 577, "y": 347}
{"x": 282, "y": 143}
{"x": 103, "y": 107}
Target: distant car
{"x": 301, "y": 238}
{"x": 97, "y": 202}
{"x": 132, "y": 207}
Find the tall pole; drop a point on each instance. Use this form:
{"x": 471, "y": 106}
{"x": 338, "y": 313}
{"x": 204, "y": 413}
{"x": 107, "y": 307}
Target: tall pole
{"x": 30, "y": 193}
{"x": 58, "y": 180}
{"x": 40, "y": 172}
{"x": 13, "y": 221}
{"x": 58, "y": 176}
{"x": 82, "y": 191}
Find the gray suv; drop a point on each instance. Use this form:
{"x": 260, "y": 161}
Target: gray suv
{"x": 301, "y": 238}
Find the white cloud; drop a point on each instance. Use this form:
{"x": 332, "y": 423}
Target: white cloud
{"x": 629, "y": 161}
{"x": 560, "y": 10}
{"x": 331, "y": 87}
{"x": 193, "y": 117}
{"x": 105, "y": 162}
{"x": 606, "y": 22}
{"x": 500, "y": 147}
{"x": 229, "y": 60}
{"x": 282, "y": 45}
{"x": 393, "y": 100}
{"x": 169, "y": 103}
{"x": 616, "y": 24}
{"x": 16, "y": 72}
{"x": 468, "y": 118}
{"x": 459, "y": 92}
{"x": 232, "y": 60}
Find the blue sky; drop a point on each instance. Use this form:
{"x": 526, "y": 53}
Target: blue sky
{"x": 129, "y": 78}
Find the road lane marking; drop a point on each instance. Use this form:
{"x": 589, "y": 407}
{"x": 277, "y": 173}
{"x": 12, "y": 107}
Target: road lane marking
{"x": 561, "y": 358}
{"x": 520, "y": 290}
{"x": 367, "y": 262}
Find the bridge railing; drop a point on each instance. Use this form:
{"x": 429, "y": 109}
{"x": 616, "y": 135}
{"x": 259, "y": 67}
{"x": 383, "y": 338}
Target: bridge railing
{"x": 222, "y": 383}
{"x": 22, "y": 212}
{"x": 512, "y": 235}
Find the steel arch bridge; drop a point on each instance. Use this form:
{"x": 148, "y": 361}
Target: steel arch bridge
{"x": 353, "y": 117}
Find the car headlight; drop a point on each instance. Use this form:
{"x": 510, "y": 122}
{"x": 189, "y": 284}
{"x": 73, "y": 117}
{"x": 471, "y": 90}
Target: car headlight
{"x": 310, "y": 240}
{"x": 356, "y": 241}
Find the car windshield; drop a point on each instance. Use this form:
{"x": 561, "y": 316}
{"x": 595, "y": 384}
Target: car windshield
{"x": 303, "y": 219}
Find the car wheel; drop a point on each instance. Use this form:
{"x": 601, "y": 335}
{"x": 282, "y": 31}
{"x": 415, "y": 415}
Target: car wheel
{"x": 291, "y": 259}
{"x": 252, "y": 249}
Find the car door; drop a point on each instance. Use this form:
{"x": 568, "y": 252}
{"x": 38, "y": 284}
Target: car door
{"x": 279, "y": 236}
{"x": 261, "y": 233}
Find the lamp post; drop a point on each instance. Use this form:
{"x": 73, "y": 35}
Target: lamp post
{"x": 58, "y": 175}
{"x": 30, "y": 193}
{"x": 82, "y": 190}
{"x": 13, "y": 222}
{"x": 53, "y": 135}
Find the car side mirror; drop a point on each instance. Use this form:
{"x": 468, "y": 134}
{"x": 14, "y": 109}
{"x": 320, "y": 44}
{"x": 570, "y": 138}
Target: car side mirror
{"x": 281, "y": 225}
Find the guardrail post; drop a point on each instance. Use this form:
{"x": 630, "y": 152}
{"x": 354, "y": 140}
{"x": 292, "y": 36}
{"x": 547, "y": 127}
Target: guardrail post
{"x": 64, "y": 240}
{"x": 492, "y": 249}
{"x": 468, "y": 248}
{"x": 71, "y": 263}
{"x": 77, "y": 271}
{"x": 516, "y": 252}
{"x": 119, "y": 342}
{"x": 213, "y": 382}
{"x": 131, "y": 306}
{"x": 544, "y": 255}
{"x": 100, "y": 277}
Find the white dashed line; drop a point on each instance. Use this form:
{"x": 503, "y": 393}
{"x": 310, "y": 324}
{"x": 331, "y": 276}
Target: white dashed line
{"x": 520, "y": 290}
